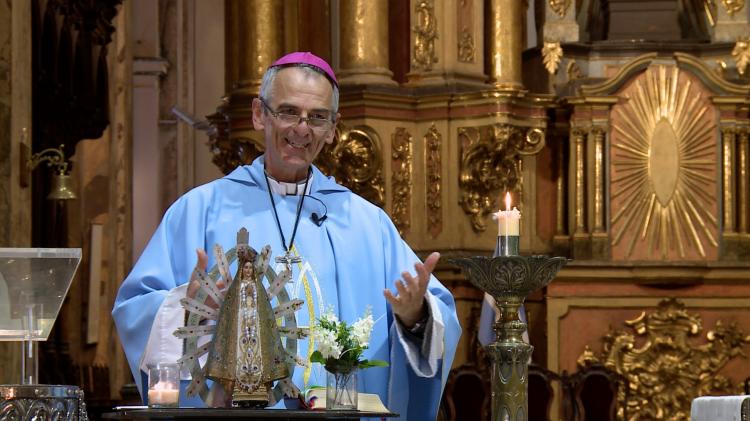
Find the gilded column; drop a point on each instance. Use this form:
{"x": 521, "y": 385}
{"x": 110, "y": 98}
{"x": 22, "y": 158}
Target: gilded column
{"x": 742, "y": 176}
{"x": 506, "y": 39}
{"x": 254, "y": 40}
{"x": 728, "y": 183}
{"x": 578, "y": 177}
{"x": 598, "y": 133}
{"x": 560, "y": 187}
{"x": 232, "y": 25}
{"x": 363, "y": 25}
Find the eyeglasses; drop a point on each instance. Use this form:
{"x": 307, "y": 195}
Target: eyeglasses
{"x": 316, "y": 122}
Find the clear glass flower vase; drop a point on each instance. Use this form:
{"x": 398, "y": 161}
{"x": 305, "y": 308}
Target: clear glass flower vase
{"x": 341, "y": 390}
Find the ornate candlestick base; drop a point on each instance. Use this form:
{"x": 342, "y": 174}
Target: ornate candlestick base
{"x": 510, "y": 279}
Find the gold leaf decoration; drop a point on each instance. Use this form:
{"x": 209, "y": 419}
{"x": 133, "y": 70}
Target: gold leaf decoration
{"x": 425, "y": 34}
{"x": 433, "y": 142}
{"x": 559, "y": 6}
{"x": 466, "y": 47}
{"x": 741, "y": 54}
{"x": 354, "y": 159}
{"x": 227, "y": 152}
{"x": 401, "y": 162}
{"x": 733, "y": 6}
{"x": 552, "y": 55}
{"x": 664, "y": 369}
{"x": 663, "y": 170}
{"x": 491, "y": 165}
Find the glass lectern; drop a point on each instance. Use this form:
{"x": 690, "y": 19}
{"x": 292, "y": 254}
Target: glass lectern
{"x": 33, "y": 285}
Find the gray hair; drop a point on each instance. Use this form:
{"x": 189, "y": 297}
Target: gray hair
{"x": 270, "y": 75}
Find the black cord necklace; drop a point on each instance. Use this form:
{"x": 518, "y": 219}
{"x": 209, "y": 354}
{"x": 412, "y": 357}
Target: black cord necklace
{"x": 288, "y": 259}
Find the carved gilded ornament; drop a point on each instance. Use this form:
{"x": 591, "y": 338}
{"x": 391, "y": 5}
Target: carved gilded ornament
{"x": 573, "y": 71}
{"x": 425, "y": 34}
{"x": 228, "y": 153}
{"x": 559, "y": 6}
{"x": 721, "y": 68}
{"x": 665, "y": 371}
{"x": 466, "y": 47}
{"x": 552, "y": 55}
{"x": 733, "y": 6}
{"x": 355, "y": 160}
{"x": 663, "y": 169}
{"x": 433, "y": 141}
{"x": 490, "y": 165}
{"x": 741, "y": 54}
{"x": 401, "y": 162}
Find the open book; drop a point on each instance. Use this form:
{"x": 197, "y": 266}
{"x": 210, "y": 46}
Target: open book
{"x": 315, "y": 398}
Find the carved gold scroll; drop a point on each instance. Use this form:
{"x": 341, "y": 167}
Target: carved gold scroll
{"x": 490, "y": 165}
{"x": 665, "y": 369}
{"x": 401, "y": 162}
{"x": 355, "y": 160}
{"x": 433, "y": 141}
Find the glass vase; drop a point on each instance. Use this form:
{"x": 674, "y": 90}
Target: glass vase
{"x": 341, "y": 390}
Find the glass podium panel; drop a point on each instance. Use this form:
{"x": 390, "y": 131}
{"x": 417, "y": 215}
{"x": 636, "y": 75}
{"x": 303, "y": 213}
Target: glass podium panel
{"x": 33, "y": 285}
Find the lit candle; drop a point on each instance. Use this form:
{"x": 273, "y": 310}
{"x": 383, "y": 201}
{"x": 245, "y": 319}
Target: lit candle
{"x": 163, "y": 394}
{"x": 508, "y": 229}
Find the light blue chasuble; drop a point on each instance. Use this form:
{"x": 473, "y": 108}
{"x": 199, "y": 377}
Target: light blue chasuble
{"x": 347, "y": 262}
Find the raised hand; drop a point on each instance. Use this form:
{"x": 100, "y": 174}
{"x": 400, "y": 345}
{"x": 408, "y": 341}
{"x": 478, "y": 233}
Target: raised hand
{"x": 194, "y": 284}
{"x": 410, "y": 305}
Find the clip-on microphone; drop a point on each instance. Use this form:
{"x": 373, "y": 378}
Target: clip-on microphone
{"x": 318, "y": 220}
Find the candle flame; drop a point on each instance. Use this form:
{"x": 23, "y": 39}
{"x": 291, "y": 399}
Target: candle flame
{"x": 507, "y": 201}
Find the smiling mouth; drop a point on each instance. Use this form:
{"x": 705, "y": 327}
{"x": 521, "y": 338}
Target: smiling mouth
{"x": 297, "y": 145}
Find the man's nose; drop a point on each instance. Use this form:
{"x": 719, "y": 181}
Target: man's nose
{"x": 302, "y": 126}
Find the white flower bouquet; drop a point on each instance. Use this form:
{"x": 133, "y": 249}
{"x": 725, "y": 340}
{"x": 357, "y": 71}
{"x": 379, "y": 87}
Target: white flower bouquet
{"x": 340, "y": 346}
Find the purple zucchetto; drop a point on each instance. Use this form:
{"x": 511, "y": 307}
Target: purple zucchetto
{"x": 309, "y": 59}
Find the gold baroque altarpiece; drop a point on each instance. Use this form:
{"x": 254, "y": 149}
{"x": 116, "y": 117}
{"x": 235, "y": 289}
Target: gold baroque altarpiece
{"x": 664, "y": 367}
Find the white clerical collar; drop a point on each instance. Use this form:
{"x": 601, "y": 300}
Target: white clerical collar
{"x": 289, "y": 189}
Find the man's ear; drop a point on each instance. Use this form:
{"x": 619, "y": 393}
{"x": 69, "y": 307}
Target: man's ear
{"x": 332, "y": 134}
{"x": 258, "y": 115}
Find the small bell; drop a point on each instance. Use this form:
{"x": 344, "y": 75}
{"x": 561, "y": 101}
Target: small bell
{"x": 62, "y": 188}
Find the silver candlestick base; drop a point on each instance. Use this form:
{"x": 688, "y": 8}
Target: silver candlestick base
{"x": 42, "y": 402}
{"x": 510, "y": 279}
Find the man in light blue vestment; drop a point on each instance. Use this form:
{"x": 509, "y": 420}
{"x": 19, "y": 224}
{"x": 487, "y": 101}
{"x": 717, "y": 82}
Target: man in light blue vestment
{"x": 351, "y": 255}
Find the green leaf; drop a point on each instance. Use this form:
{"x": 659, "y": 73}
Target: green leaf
{"x": 317, "y": 357}
{"x": 372, "y": 363}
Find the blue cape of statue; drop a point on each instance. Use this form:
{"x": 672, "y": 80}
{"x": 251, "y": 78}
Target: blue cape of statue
{"x": 353, "y": 255}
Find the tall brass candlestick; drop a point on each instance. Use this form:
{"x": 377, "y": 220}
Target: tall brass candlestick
{"x": 510, "y": 279}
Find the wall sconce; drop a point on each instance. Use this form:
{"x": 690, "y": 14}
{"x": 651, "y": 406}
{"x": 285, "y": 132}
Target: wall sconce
{"x": 55, "y": 158}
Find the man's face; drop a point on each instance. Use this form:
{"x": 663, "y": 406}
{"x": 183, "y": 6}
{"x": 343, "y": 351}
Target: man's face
{"x": 291, "y": 148}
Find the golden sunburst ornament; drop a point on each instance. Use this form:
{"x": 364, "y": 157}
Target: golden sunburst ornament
{"x": 664, "y": 170}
